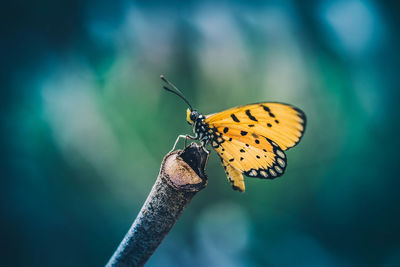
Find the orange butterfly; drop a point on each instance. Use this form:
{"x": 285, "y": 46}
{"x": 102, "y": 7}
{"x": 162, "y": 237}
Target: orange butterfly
{"x": 249, "y": 139}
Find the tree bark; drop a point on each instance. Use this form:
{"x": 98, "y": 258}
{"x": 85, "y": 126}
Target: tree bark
{"x": 181, "y": 176}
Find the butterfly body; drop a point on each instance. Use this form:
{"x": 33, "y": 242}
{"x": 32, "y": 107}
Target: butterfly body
{"x": 251, "y": 139}
{"x": 202, "y": 130}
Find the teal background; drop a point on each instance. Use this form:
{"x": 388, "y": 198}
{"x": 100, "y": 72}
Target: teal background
{"x": 85, "y": 125}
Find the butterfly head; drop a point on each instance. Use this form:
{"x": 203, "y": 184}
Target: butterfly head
{"x": 192, "y": 116}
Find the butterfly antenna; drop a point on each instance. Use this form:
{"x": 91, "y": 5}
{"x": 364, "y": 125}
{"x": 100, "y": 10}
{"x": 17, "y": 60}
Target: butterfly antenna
{"x": 176, "y": 92}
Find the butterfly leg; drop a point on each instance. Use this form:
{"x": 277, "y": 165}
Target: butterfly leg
{"x": 203, "y": 146}
{"x": 208, "y": 154}
{"x": 186, "y": 136}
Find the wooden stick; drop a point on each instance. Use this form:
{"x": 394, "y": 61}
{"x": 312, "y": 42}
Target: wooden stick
{"x": 181, "y": 176}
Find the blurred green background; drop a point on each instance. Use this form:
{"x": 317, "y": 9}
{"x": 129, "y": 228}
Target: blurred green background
{"x": 85, "y": 125}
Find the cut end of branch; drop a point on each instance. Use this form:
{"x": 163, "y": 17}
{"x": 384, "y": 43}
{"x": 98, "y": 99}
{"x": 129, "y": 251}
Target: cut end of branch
{"x": 181, "y": 176}
{"x": 185, "y": 170}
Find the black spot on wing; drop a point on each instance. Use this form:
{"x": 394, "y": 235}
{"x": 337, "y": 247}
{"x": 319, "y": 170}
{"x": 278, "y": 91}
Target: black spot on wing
{"x": 251, "y": 117}
{"x": 266, "y": 108}
{"x": 243, "y": 133}
{"x": 234, "y": 118}
{"x": 226, "y": 129}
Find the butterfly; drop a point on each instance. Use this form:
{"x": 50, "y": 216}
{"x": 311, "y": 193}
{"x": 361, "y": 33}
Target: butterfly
{"x": 250, "y": 139}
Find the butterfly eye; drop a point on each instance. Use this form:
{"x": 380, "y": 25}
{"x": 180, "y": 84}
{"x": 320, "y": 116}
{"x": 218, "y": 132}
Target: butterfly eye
{"x": 194, "y": 115}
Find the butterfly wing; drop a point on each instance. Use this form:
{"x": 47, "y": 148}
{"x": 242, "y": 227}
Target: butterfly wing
{"x": 234, "y": 176}
{"x": 281, "y": 123}
{"x": 263, "y": 159}
{"x": 252, "y": 138}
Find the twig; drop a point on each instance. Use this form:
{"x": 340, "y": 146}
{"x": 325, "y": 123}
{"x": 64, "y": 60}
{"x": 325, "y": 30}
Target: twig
{"x": 181, "y": 177}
